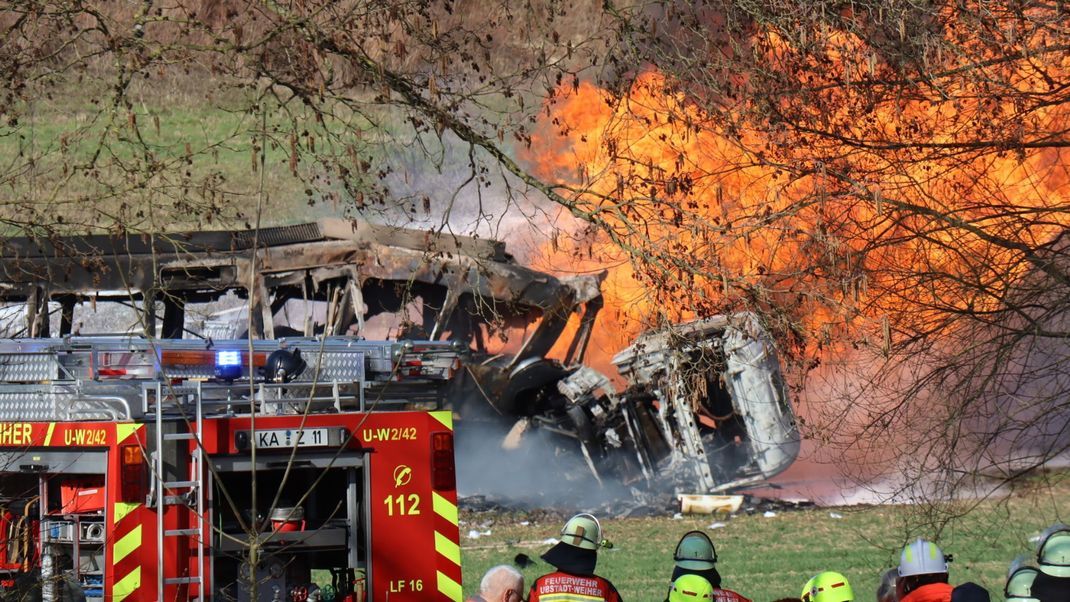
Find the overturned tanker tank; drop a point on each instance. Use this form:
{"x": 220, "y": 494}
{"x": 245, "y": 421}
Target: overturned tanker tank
{"x": 699, "y": 407}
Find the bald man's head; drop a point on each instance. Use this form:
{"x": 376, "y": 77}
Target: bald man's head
{"x": 500, "y": 583}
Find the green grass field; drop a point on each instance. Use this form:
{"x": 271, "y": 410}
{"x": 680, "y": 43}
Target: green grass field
{"x": 203, "y": 138}
{"x": 769, "y": 558}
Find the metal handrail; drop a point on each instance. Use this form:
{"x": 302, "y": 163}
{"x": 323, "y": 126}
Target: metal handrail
{"x": 126, "y": 415}
{"x": 213, "y": 397}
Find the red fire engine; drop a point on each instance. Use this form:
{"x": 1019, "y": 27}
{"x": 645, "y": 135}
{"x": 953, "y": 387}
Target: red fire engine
{"x": 310, "y": 469}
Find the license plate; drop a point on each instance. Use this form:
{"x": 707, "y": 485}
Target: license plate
{"x": 276, "y": 438}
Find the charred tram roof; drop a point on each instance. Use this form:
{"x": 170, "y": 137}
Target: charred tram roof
{"x": 214, "y": 261}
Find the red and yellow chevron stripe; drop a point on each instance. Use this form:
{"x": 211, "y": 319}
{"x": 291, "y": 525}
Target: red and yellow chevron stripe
{"x": 125, "y": 540}
{"x": 447, "y": 533}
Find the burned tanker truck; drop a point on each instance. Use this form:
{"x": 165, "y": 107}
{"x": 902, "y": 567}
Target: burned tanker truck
{"x": 697, "y": 407}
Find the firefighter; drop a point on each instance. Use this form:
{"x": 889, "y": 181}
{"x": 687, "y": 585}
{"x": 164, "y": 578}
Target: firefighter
{"x": 923, "y": 575}
{"x": 695, "y": 555}
{"x": 690, "y": 587}
{"x": 1052, "y": 583}
{"x": 575, "y": 557}
{"x": 829, "y": 586}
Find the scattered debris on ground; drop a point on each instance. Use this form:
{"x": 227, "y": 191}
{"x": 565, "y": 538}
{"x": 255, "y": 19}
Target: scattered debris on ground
{"x": 482, "y": 512}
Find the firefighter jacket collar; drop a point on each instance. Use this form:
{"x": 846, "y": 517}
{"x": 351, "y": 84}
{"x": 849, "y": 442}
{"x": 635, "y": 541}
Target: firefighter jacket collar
{"x": 934, "y": 592}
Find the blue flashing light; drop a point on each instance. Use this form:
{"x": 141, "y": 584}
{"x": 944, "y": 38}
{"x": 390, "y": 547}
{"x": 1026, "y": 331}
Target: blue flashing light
{"x": 228, "y": 365}
{"x": 227, "y": 358}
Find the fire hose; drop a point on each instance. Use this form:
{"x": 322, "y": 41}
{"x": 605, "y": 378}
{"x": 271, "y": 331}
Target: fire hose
{"x": 6, "y": 520}
{"x": 94, "y": 532}
{"x": 21, "y": 532}
{"x": 11, "y": 536}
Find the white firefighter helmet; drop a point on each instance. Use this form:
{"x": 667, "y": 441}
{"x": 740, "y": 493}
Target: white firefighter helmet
{"x": 695, "y": 552}
{"x": 1020, "y": 581}
{"x": 1053, "y": 553}
{"x": 582, "y": 531}
{"x": 922, "y": 558}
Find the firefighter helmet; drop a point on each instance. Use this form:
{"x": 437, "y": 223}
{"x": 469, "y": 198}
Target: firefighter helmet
{"x": 284, "y": 366}
{"x": 577, "y": 552}
{"x": 922, "y": 558}
{"x": 583, "y": 531}
{"x": 690, "y": 588}
{"x": 830, "y": 586}
{"x": 1020, "y": 581}
{"x": 695, "y": 552}
{"x": 1053, "y": 553}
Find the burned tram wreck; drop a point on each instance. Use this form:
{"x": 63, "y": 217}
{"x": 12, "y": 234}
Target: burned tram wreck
{"x": 703, "y": 408}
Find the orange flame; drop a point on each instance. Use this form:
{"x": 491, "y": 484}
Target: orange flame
{"x": 701, "y": 213}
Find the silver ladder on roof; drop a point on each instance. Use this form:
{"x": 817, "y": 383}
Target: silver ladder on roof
{"x": 192, "y": 488}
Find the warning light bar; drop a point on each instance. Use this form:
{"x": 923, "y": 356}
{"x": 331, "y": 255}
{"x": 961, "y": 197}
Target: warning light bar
{"x": 191, "y": 357}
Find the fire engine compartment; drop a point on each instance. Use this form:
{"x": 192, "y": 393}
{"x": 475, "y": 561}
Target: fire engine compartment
{"x": 329, "y": 539}
{"x": 53, "y": 528}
